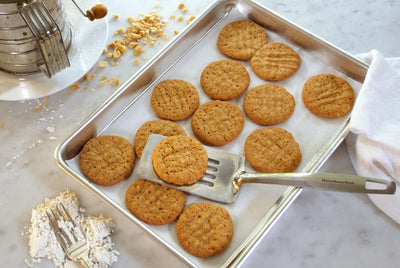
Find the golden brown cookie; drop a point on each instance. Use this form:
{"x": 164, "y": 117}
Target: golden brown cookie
{"x": 154, "y": 203}
{"x": 268, "y": 104}
{"x": 224, "y": 80}
{"x": 272, "y": 150}
{"x": 217, "y": 122}
{"x": 174, "y": 99}
{"x": 328, "y": 95}
{"x": 180, "y": 160}
{"x": 204, "y": 229}
{"x": 275, "y": 62}
{"x": 107, "y": 160}
{"x": 162, "y": 127}
{"x": 241, "y": 39}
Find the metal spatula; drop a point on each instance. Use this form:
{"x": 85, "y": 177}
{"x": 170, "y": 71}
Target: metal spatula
{"x": 225, "y": 175}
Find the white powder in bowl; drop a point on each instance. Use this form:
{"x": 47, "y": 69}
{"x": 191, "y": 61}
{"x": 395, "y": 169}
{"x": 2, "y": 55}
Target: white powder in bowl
{"x": 43, "y": 243}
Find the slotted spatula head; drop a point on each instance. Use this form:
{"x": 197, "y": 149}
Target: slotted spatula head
{"x": 217, "y": 184}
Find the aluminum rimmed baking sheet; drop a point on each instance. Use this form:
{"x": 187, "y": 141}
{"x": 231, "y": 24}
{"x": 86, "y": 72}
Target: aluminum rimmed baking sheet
{"x": 259, "y": 206}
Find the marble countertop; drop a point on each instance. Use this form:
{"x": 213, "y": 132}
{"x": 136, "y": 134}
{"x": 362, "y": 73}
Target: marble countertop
{"x": 320, "y": 229}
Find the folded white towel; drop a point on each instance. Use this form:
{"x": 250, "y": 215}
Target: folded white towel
{"x": 374, "y": 140}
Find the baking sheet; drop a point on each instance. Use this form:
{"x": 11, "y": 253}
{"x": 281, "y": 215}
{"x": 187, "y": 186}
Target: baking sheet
{"x": 258, "y": 206}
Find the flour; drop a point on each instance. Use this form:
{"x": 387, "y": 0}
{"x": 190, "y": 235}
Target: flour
{"x": 43, "y": 243}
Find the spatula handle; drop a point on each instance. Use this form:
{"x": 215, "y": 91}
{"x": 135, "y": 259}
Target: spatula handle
{"x": 323, "y": 181}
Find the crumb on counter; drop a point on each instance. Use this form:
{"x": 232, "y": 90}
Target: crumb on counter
{"x": 102, "y": 64}
{"x": 75, "y": 86}
{"x": 181, "y": 5}
{"x": 102, "y": 83}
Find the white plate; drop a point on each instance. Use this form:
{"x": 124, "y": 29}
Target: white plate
{"x": 89, "y": 39}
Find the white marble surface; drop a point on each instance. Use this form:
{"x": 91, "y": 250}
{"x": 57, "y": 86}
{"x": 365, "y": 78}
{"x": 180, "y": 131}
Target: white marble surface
{"x": 320, "y": 229}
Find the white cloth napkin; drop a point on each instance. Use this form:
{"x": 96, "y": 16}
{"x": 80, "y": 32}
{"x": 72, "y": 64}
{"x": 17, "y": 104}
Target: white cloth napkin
{"x": 374, "y": 140}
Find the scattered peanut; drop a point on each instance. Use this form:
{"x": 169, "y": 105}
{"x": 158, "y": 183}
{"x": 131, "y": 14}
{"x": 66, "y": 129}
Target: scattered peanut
{"x": 102, "y": 64}
{"x": 102, "y": 83}
{"x": 190, "y": 19}
{"x": 138, "y": 50}
{"x": 74, "y": 86}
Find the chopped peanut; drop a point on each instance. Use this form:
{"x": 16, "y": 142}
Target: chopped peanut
{"x": 102, "y": 83}
{"x": 102, "y": 64}
{"x": 138, "y": 50}
{"x": 190, "y": 19}
{"x": 74, "y": 86}
{"x": 116, "y": 54}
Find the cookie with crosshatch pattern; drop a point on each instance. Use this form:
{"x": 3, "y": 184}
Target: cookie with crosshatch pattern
{"x": 204, "y": 229}
{"x": 154, "y": 203}
{"x": 241, "y": 39}
{"x": 272, "y": 150}
{"x": 107, "y": 160}
{"x": 217, "y": 122}
{"x": 180, "y": 160}
{"x": 174, "y": 99}
{"x": 268, "y": 104}
{"x": 275, "y": 61}
{"x": 224, "y": 80}
{"x": 328, "y": 95}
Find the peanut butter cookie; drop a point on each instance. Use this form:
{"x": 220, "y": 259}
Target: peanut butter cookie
{"x": 328, "y": 96}
{"x": 241, "y": 39}
{"x": 174, "y": 99}
{"x": 204, "y": 229}
{"x": 268, "y": 105}
{"x": 272, "y": 150}
{"x": 154, "y": 203}
{"x": 180, "y": 160}
{"x": 275, "y": 62}
{"x": 107, "y": 160}
{"x": 224, "y": 80}
{"x": 217, "y": 122}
